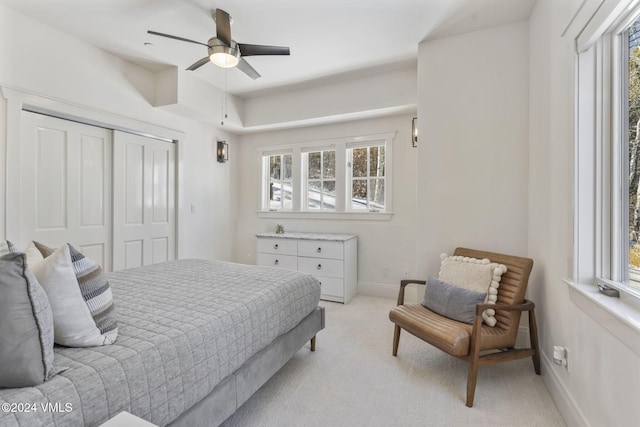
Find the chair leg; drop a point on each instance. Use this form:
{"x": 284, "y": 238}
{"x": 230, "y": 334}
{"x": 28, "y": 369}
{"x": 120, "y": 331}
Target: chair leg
{"x": 474, "y": 360}
{"x": 472, "y": 378}
{"x": 533, "y": 336}
{"x": 396, "y": 340}
{"x": 313, "y": 343}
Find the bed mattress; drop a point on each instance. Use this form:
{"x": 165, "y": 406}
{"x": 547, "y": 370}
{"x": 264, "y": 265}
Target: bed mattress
{"x": 183, "y": 327}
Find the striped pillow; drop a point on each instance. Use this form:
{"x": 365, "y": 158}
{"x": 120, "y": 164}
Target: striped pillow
{"x": 95, "y": 291}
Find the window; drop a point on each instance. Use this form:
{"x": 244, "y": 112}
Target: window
{"x": 279, "y": 182}
{"x": 329, "y": 178}
{"x": 320, "y": 181}
{"x": 608, "y": 158}
{"x": 367, "y": 178}
{"x": 631, "y": 165}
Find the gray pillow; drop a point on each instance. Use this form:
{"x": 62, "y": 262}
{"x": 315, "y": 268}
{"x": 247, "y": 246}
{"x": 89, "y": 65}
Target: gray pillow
{"x": 452, "y": 301}
{"x": 26, "y": 332}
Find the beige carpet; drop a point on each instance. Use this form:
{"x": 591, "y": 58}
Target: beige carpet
{"x": 353, "y": 380}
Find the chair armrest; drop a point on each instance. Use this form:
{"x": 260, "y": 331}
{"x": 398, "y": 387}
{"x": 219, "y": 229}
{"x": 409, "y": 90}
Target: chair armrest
{"x": 403, "y": 284}
{"x": 477, "y": 321}
{"x": 525, "y": 306}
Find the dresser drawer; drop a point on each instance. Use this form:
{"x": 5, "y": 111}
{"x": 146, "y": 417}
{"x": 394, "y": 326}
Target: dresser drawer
{"x": 331, "y": 286}
{"x": 278, "y": 246}
{"x": 275, "y": 260}
{"x": 320, "y": 249}
{"x": 321, "y": 267}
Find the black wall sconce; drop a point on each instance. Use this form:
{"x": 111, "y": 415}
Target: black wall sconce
{"x": 414, "y": 132}
{"x": 223, "y": 151}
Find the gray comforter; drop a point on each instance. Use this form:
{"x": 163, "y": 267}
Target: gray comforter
{"x": 183, "y": 327}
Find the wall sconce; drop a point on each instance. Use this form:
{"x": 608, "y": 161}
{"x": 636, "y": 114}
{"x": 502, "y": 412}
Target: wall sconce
{"x": 223, "y": 151}
{"x": 414, "y": 132}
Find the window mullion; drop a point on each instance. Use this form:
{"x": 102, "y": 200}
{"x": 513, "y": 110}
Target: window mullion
{"x": 341, "y": 176}
{"x": 296, "y": 180}
{"x": 619, "y": 160}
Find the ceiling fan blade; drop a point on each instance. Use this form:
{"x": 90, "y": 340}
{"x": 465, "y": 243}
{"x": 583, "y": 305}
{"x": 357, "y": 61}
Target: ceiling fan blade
{"x": 199, "y": 63}
{"x": 258, "y": 49}
{"x": 246, "y": 68}
{"x": 155, "y": 33}
{"x": 223, "y": 27}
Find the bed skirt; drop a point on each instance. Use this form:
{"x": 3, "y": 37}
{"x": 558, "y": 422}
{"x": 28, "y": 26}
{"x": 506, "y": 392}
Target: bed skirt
{"x": 238, "y": 387}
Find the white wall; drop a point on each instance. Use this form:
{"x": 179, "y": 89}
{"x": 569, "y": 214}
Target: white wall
{"x": 601, "y": 385}
{"x": 473, "y": 124}
{"x": 380, "y": 90}
{"x": 382, "y": 245}
{"x": 63, "y": 71}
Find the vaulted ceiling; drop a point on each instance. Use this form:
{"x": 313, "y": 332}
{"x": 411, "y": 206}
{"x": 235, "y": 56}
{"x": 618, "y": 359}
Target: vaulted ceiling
{"x": 326, "y": 38}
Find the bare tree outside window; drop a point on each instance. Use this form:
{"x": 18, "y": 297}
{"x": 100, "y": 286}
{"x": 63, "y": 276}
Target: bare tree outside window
{"x": 367, "y": 178}
{"x": 321, "y": 180}
{"x": 634, "y": 150}
{"x": 280, "y": 174}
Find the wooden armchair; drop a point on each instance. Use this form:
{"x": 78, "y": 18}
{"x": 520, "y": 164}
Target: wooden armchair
{"x": 477, "y": 343}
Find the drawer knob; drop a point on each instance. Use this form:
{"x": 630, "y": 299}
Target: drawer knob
{"x": 275, "y": 262}
{"x": 275, "y": 246}
{"x": 319, "y": 250}
{"x": 319, "y": 267}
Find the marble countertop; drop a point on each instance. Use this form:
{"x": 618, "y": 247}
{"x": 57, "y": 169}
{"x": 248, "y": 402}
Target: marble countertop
{"x": 310, "y": 236}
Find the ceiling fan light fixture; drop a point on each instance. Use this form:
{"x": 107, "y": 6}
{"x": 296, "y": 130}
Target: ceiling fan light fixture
{"x": 224, "y": 56}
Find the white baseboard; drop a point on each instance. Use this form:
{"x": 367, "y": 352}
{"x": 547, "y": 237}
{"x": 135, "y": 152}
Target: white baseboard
{"x": 561, "y": 396}
{"x": 522, "y": 340}
{"x": 383, "y": 290}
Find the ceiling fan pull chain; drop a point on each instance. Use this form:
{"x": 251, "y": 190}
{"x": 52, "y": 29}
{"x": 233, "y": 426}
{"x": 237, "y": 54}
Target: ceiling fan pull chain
{"x": 224, "y": 101}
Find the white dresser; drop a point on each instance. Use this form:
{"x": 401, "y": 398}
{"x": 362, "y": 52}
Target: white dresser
{"x": 331, "y": 258}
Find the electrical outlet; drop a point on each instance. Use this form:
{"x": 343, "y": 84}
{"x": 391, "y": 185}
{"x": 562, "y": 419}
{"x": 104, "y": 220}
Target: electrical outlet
{"x": 405, "y": 273}
{"x": 561, "y": 356}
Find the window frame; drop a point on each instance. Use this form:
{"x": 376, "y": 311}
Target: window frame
{"x": 367, "y": 178}
{"x": 305, "y": 178}
{"x": 341, "y": 144}
{"x": 266, "y": 179}
{"x": 601, "y": 182}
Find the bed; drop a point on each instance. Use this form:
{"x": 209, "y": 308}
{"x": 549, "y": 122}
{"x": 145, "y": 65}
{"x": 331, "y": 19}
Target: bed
{"x": 196, "y": 339}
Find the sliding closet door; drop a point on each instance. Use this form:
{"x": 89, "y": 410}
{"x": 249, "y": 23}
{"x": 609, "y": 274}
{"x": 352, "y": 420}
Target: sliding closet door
{"x": 144, "y": 201}
{"x": 65, "y": 193}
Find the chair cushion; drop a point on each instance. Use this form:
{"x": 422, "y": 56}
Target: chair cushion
{"x": 452, "y": 301}
{"x": 479, "y": 275}
{"x": 448, "y": 335}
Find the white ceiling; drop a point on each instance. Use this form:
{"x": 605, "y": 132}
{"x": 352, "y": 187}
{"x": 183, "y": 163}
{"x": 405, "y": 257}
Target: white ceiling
{"x": 326, "y": 37}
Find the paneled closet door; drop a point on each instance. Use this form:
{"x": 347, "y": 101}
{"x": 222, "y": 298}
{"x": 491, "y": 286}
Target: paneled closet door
{"x": 65, "y": 174}
{"x": 144, "y": 201}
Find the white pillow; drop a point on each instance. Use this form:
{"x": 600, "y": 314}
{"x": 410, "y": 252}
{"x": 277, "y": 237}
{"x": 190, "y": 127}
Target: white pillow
{"x": 480, "y": 275}
{"x": 33, "y": 254}
{"x": 73, "y": 325}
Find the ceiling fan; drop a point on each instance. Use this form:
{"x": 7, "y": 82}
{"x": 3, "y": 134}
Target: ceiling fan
{"x": 226, "y": 52}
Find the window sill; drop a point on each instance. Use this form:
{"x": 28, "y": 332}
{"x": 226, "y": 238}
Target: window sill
{"x": 349, "y": 216}
{"x": 619, "y": 316}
